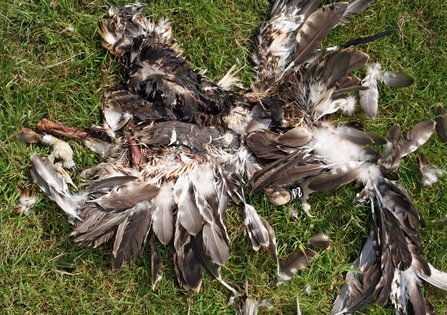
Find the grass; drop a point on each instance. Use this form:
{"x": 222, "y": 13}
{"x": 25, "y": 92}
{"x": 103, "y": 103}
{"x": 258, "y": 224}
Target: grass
{"x": 53, "y": 66}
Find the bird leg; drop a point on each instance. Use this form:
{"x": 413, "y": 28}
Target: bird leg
{"x": 48, "y": 126}
{"x": 136, "y": 158}
{"x": 94, "y": 144}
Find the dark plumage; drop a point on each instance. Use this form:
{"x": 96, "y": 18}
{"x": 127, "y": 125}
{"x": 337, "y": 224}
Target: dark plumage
{"x": 160, "y": 84}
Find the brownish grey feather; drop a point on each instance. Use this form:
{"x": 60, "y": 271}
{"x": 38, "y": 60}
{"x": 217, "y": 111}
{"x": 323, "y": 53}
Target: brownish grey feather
{"x": 336, "y": 67}
{"x": 155, "y": 263}
{"x": 258, "y": 233}
{"x": 163, "y": 224}
{"x": 110, "y": 182}
{"x": 336, "y": 178}
{"x": 319, "y": 240}
{"x": 134, "y": 234}
{"x": 355, "y": 6}
{"x": 215, "y": 244}
{"x": 124, "y": 197}
{"x": 358, "y": 59}
{"x": 297, "y": 260}
{"x": 397, "y": 79}
{"x": 272, "y": 248}
{"x": 312, "y": 32}
{"x": 53, "y": 185}
{"x": 295, "y": 137}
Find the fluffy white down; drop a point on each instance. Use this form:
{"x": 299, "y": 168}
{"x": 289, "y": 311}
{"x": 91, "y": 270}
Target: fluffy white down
{"x": 430, "y": 175}
{"x": 334, "y": 149}
{"x": 349, "y": 106}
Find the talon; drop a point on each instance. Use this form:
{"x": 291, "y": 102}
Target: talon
{"x": 74, "y": 168}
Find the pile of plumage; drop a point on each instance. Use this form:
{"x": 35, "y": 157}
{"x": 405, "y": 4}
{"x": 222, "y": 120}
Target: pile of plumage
{"x": 178, "y": 150}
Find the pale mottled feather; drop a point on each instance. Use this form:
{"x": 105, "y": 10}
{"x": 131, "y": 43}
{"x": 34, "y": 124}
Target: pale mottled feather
{"x": 257, "y": 232}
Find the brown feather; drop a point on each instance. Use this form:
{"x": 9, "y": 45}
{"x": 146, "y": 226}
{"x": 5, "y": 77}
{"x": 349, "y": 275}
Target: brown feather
{"x": 215, "y": 244}
{"x": 336, "y": 178}
{"x": 319, "y": 240}
{"x": 313, "y": 31}
{"x": 295, "y": 137}
{"x": 294, "y": 262}
{"x": 135, "y": 234}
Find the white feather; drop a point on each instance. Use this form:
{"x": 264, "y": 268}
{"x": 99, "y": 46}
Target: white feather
{"x": 369, "y": 99}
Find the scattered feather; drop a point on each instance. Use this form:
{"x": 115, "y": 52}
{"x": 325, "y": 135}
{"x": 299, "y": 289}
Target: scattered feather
{"x": 336, "y": 178}
{"x": 296, "y": 261}
{"x": 319, "y": 240}
{"x": 258, "y": 233}
{"x": 355, "y": 6}
{"x": 430, "y": 173}
{"x": 26, "y": 201}
{"x": 397, "y": 79}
